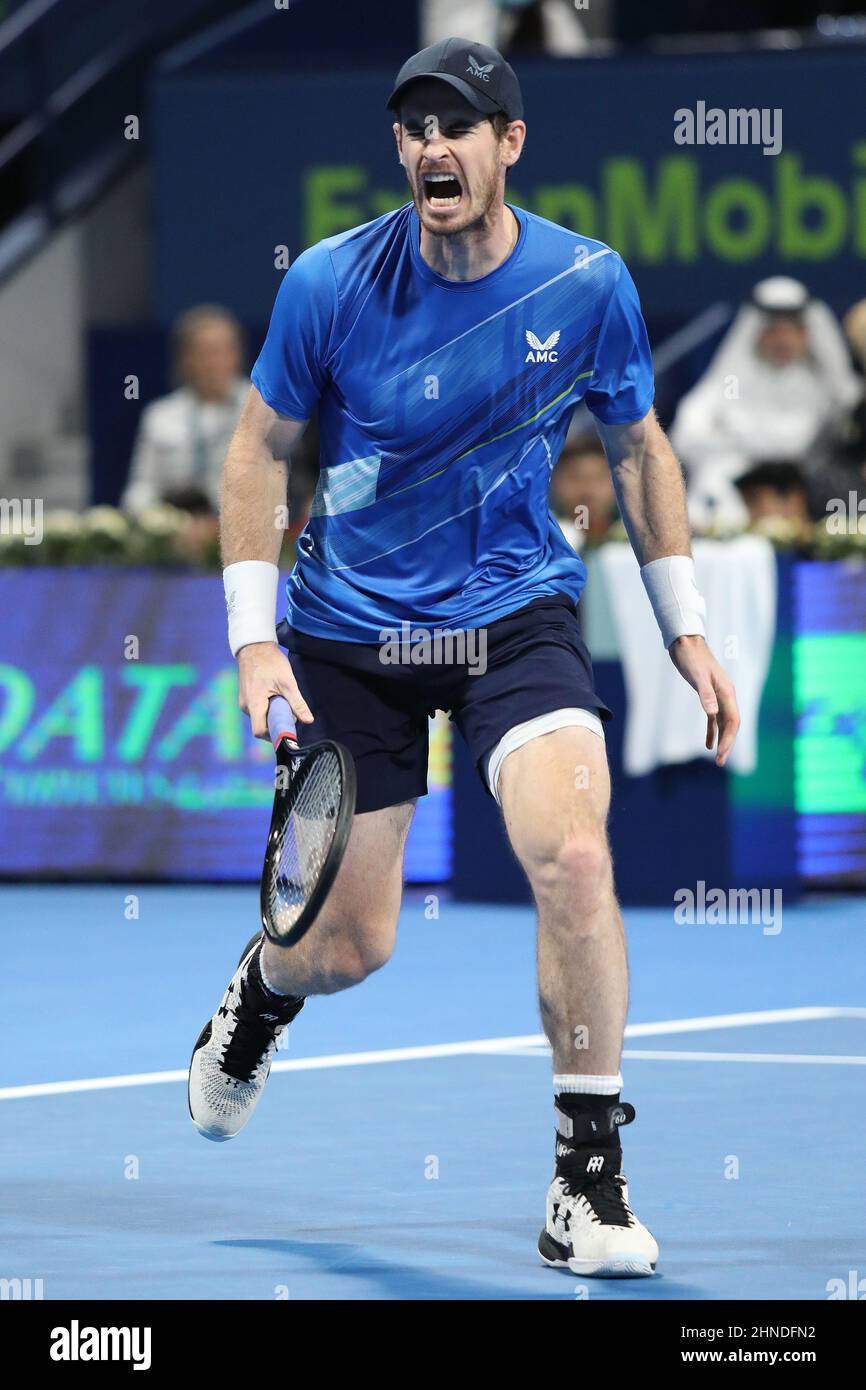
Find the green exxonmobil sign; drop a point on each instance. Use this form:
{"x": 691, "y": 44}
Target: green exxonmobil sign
{"x": 669, "y": 210}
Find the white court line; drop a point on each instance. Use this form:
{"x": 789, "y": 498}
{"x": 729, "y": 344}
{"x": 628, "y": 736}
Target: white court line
{"x": 337, "y": 1059}
{"x": 675, "y": 1055}
{"x": 523, "y": 1045}
{"x": 762, "y": 1016}
{"x": 831, "y": 1058}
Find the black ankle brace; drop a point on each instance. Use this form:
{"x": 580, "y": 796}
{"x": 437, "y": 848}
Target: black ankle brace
{"x": 587, "y": 1140}
{"x": 599, "y": 1125}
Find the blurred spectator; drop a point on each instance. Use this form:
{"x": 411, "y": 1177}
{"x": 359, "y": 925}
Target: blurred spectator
{"x": 198, "y": 534}
{"x": 776, "y": 491}
{"x": 549, "y": 26}
{"x": 581, "y": 492}
{"x": 854, "y": 324}
{"x": 440, "y": 19}
{"x": 781, "y": 385}
{"x": 182, "y": 438}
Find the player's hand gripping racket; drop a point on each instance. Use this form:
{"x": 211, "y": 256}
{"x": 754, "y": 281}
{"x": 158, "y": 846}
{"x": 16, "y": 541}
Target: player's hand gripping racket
{"x": 314, "y": 803}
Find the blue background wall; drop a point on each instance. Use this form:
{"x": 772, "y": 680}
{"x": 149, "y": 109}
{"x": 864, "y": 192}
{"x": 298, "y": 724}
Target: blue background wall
{"x": 248, "y": 160}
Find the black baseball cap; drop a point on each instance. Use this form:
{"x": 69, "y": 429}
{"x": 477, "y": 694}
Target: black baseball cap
{"x": 479, "y": 73}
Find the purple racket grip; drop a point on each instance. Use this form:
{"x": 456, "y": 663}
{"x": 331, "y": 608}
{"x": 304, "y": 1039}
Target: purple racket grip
{"x": 281, "y": 721}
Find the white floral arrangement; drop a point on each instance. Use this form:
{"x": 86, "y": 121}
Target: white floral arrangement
{"x": 159, "y": 535}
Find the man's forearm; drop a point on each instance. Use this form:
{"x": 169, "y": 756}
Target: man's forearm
{"x": 253, "y": 503}
{"x": 253, "y": 520}
{"x": 648, "y": 485}
{"x": 649, "y": 488}
{"x": 651, "y": 496}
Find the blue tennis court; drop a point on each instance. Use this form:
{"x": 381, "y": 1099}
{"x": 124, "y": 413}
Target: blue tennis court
{"x": 404, "y": 1144}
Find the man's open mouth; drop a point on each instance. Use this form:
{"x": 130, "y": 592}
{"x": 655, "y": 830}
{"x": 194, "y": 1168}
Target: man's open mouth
{"x": 441, "y": 190}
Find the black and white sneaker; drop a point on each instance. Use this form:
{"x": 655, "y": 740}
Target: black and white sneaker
{"x": 590, "y": 1227}
{"x": 232, "y": 1058}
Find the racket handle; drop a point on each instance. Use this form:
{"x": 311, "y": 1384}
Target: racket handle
{"x": 281, "y": 721}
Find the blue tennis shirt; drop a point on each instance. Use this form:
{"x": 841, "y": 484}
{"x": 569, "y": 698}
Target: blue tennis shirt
{"x": 443, "y": 407}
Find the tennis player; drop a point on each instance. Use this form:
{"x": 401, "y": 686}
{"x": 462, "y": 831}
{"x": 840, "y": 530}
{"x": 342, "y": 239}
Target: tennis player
{"x": 445, "y": 346}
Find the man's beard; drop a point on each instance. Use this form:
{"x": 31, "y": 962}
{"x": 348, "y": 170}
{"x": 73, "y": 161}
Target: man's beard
{"x": 475, "y": 215}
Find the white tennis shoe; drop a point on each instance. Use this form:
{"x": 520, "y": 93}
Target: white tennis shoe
{"x": 232, "y": 1058}
{"x": 593, "y": 1231}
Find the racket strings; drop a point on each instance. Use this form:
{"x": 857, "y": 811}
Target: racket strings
{"x": 303, "y": 837}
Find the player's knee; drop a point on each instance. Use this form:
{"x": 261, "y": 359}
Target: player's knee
{"x": 374, "y": 951}
{"x": 576, "y": 871}
{"x": 361, "y": 949}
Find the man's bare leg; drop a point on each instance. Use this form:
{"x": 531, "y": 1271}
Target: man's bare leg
{"x": 355, "y": 932}
{"x": 555, "y": 793}
{"x": 353, "y": 935}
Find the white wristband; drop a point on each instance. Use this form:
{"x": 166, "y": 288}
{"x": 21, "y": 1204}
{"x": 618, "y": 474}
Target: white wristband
{"x": 251, "y": 600}
{"x": 677, "y": 602}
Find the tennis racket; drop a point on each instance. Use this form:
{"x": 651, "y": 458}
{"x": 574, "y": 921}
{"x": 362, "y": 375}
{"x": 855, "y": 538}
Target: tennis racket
{"x": 314, "y": 802}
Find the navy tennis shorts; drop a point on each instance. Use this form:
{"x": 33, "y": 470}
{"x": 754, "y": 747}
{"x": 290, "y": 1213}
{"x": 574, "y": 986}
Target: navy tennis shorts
{"x": 376, "y": 699}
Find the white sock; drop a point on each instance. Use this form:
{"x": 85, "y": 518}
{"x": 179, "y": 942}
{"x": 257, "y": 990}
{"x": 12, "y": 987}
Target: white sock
{"x": 587, "y": 1085}
{"x": 265, "y": 981}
